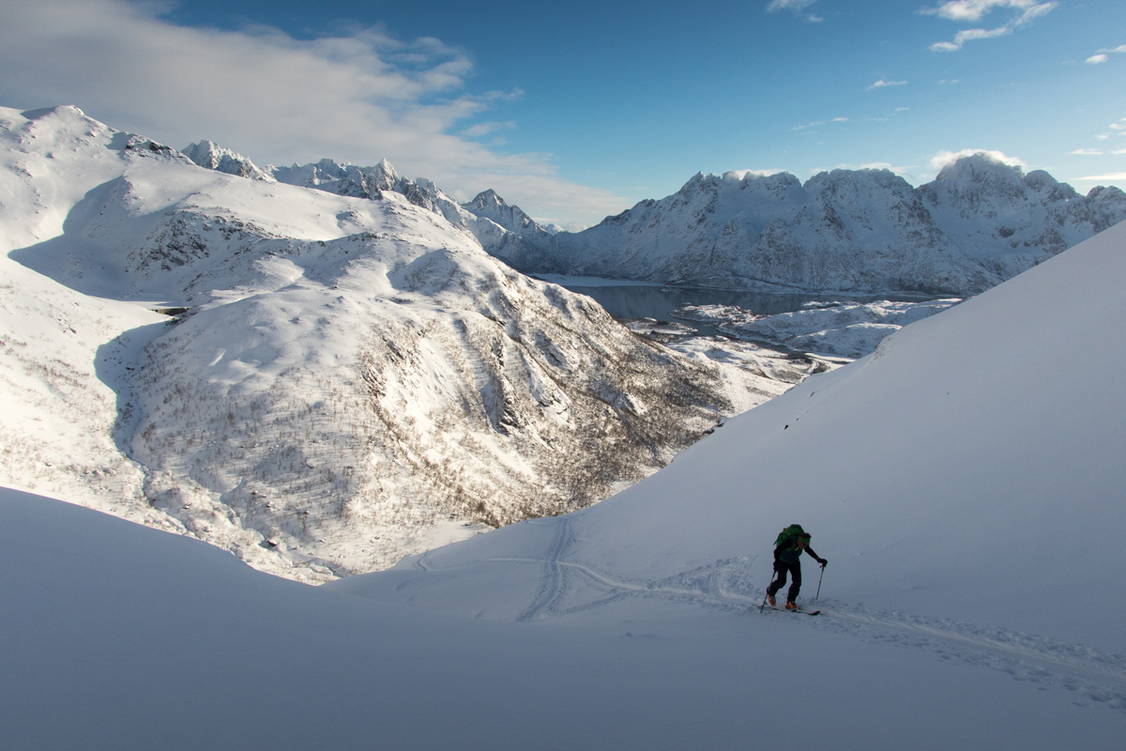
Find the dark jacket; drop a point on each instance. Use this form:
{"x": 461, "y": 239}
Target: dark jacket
{"x": 790, "y": 553}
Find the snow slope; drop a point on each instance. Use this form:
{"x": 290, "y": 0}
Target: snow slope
{"x": 121, "y": 637}
{"x": 964, "y": 485}
{"x": 965, "y": 481}
{"x": 978, "y": 223}
{"x": 348, "y": 380}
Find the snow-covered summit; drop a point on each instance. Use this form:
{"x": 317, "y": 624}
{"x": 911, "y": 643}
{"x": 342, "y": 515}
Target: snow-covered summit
{"x": 342, "y": 179}
{"x": 489, "y": 205}
{"x": 215, "y": 157}
{"x": 979, "y": 222}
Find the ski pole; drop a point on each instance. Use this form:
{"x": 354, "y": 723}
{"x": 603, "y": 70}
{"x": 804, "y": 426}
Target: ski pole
{"x": 762, "y": 607}
{"x": 819, "y": 584}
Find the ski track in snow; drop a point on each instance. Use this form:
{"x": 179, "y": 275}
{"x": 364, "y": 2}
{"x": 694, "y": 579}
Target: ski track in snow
{"x": 553, "y": 584}
{"x": 1094, "y": 677}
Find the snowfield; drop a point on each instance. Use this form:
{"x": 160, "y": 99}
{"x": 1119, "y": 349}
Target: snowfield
{"x": 964, "y": 481}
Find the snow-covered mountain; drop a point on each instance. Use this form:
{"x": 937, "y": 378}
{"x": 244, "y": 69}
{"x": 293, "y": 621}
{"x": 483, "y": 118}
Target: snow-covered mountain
{"x": 965, "y": 483}
{"x": 213, "y": 156}
{"x": 505, "y": 231}
{"x": 978, "y": 223}
{"x": 343, "y": 381}
{"x": 490, "y": 205}
{"x": 847, "y": 231}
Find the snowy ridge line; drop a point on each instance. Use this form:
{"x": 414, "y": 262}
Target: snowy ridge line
{"x": 1098, "y": 677}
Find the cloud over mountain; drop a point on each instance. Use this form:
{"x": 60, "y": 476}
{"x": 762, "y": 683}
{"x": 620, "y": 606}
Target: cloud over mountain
{"x": 358, "y": 95}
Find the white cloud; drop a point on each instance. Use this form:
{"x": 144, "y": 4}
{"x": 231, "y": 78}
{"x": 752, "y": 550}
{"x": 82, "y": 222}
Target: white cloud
{"x": 948, "y": 82}
{"x": 741, "y": 174}
{"x": 1103, "y": 55}
{"x": 882, "y": 84}
{"x": 1021, "y": 13}
{"x": 975, "y": 10}
{"x": 943, "y": 158}
{"x": 796, "y": 7}
{"x": 819, "y": 123}
{"x": 1113, "y": 177}
{"x": 901, "y": 171}
{"x": 1086, "y": 152}
{"x": 358, "y": 96}
{"x": 792, "y": 5}
{"x": 1119, "y": 152}
{"x": 487, "y": 128}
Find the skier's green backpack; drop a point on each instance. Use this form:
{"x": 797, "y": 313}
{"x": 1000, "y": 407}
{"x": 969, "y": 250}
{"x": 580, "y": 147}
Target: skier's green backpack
{"x": 788, "y": 536}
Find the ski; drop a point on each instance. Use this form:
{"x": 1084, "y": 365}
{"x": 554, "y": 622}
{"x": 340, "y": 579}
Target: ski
{"x": 799, "y": 610}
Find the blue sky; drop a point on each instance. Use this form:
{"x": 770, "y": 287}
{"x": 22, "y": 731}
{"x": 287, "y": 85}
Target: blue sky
{"x": 578, "y": 110}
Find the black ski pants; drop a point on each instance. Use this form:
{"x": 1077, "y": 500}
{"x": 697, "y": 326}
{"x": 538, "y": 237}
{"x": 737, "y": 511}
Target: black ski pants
{"x": 781, "y": 568}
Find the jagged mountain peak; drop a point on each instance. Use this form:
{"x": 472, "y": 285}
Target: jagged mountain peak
{"x": 387, "y": 169}
{"x": 980, "y": 168}
{"x": 208, "y": 154}
{"x": 695, "y": 183}
{"x": 981, "y": 221}
{"x": 486, "y": 198}
{"x": 488, "y": 204}
{"x": 1106, "y": 193}
{"x": 881, "y": 178}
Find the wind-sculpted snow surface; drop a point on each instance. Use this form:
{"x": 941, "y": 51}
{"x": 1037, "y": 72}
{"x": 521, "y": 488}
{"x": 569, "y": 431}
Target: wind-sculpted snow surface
{"x": 344, "y": 380}
{"x": 978, "y": 223}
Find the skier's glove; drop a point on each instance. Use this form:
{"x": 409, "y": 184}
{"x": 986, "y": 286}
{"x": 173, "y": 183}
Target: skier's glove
{"x": 824, "y": 562}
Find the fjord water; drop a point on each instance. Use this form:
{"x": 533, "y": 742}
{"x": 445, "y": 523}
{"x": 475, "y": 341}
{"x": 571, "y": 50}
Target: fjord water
{"x": 625, "y": 300}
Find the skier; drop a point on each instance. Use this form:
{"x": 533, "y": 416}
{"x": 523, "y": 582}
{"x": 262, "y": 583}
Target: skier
{"x": 787, "y": 559}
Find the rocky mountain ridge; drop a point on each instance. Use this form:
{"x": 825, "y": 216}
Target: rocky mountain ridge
{"x": 976, "y": 224}
{"x": 860, "y": 231}
{"x": 504, "y": 230}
